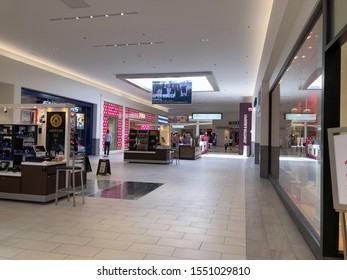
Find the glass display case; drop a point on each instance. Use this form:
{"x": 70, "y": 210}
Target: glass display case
{"x": 17, "y": 141}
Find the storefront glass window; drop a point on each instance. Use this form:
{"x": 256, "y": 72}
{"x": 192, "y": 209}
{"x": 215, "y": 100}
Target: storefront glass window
{"x": 113, "y": 115}
{"x": 300, "y": 128}
{"x": 80, "y": 116}
{"x": 134, "y": 119}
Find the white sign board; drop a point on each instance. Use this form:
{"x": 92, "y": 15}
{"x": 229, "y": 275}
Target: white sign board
{"x": 338, "y": 166}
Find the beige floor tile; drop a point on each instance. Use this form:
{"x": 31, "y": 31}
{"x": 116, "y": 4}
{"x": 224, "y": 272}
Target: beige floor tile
{"x": 5, "y": 231}
{"x": 258, "y": 250}
{"x": 139, "y": 238}
{"x": 152, "y": 226}
{"x": 178, "y": 223}
{"x": 35, "y": 235}
{"x": 279, "y": 243}
{"x": 187, "y": 229}
{"x": 44, "y": 246}
{"x": 204, "y": 238}
{"x": 100, "y": 234}
{"x": 151, "y": 249}
{"x": 70, "y": 239}
{"x": 91, "y": 226}
{"x": 83, "y": 251}
{"x": 158, "y": 257}
{"x": 224, "y": 248}
{"x": 196, "y": 254}
{"x": 227, "y": 233}
{"x": 126, "y": 229}
{"x": 110, "y": 244}
{"x": 212, "y": 208}
{"x": 163, "y": 233}
{"x": 189, "y": 244}
{"x": 38, "y": 255}
{"x": 208, "y": 225}
{"x": 10, "y": 252}
{"x": 108, "y": 254}
{"x": 226, "y": 256}
{"x": 8, "y": 240}
{"x": 235, "y": 241}
{"x": 282, "y": 255}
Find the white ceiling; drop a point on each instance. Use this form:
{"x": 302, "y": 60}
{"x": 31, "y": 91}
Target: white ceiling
{"x": 225, "y": 37}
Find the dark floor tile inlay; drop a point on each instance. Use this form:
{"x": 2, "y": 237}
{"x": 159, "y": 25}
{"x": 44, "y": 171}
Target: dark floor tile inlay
{"x": 125, "y": 190}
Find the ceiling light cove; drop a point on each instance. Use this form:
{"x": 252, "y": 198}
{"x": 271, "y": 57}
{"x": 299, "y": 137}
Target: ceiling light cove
{"x": 202, "y": 81}
{"x": 93, "y": 16}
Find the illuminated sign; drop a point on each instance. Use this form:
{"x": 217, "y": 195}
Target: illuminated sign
{"x": 301, "y": 117}
{"x": 207, "y": 116}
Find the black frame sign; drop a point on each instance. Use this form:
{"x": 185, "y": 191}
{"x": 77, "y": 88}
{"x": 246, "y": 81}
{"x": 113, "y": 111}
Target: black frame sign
{"x": 55, "y": 138}
{"x": 337, "y": 138}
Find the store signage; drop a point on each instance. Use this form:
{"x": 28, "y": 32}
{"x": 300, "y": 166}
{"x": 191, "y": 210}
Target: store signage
{"x": 245, "y": 126}
{"x": 162, "y": 119}
{"x": 301, "y": 117}
{"x": 207, "y": 116}
{"x": 178, "y": 119}
{"x": 142, "y": 115}
{"x": 55, "y": 139}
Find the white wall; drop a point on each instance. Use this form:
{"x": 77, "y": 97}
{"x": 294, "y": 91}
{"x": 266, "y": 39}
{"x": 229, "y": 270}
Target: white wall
{"x": 15, "y": 75}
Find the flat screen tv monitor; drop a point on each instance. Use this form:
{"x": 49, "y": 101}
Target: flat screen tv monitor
{"x": 80, "y": 120}
{"x": 40, "y": 150}
{"x": 172, "y": 92}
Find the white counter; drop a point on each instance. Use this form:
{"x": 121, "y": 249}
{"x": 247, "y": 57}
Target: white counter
{"x": 43, "y": 163}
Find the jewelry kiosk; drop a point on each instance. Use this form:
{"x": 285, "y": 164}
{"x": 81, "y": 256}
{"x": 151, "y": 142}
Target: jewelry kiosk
{"x": 34, "y": 179}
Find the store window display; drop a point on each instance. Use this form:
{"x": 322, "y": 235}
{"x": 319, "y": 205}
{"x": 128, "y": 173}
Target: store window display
{"x": 300, "y": 92}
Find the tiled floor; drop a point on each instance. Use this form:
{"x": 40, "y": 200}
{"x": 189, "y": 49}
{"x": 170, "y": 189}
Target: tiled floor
{"x": 213, "y": 208}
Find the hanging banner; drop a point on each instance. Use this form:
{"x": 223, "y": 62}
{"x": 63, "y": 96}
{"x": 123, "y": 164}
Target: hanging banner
{"x": 55, "y": 139}
{"x": 245, "y": 126}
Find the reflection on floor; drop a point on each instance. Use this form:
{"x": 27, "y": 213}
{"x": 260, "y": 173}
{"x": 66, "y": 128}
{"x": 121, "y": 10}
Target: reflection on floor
{"x": 120, "y": 190}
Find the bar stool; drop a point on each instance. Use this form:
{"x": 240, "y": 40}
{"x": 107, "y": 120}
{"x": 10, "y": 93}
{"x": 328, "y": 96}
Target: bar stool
{"x": 176, "y": 155}
{"x": 77, "y": 166}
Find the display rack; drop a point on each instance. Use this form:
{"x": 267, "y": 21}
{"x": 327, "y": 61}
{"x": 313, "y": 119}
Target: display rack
{"x": 142, "y": 140}
{"x": 16, "y": 141}
{"x": 132, "y": 140}
{"x": 6, "y": 142}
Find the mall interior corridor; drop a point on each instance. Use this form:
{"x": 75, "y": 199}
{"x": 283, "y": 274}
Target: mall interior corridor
{"x": 213, "y": 208}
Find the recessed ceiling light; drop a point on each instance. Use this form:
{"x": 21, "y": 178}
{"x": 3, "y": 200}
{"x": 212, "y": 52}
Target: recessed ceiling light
{"x": 93, "y": 16}
{"x": 128, "y": 44}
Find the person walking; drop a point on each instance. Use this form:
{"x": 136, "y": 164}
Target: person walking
{"x": 108, "y": 141}
{"x": 226, "y": 143}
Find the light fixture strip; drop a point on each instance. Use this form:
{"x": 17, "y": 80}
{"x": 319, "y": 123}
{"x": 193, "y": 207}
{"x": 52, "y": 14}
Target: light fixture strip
{"x": 93, "y": 16}
{"x": 128, "y": 44}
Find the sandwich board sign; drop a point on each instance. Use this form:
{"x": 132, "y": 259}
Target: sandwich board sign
{"x": 337, "y": 138}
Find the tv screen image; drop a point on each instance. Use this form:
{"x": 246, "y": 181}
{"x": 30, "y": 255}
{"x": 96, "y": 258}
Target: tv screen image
{"x": 172, "y": 92}
{"x": 80, "y": 120}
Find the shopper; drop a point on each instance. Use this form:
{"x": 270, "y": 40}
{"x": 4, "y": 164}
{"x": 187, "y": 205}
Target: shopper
{"x": 226, "y": 143}
{"x": 108, "y": 141}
